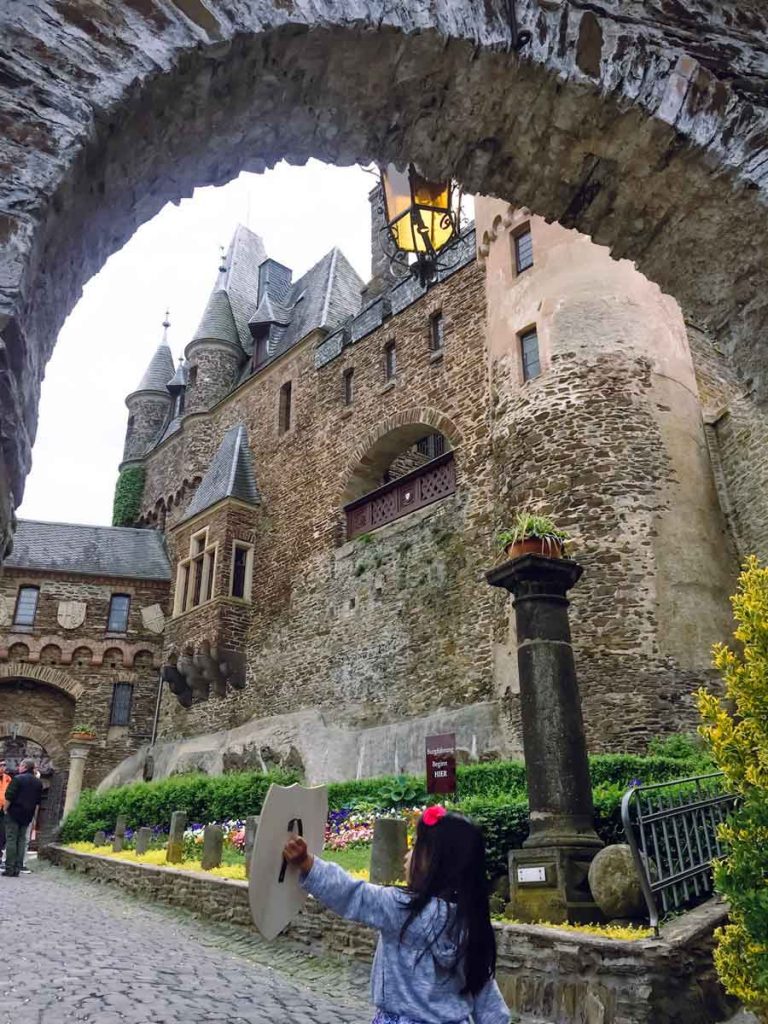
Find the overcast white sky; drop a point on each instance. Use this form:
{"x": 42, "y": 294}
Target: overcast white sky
{"x": 104, "y": 346}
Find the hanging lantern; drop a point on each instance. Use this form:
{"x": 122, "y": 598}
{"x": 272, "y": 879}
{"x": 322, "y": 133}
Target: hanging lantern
{"x": 422, "y": 216}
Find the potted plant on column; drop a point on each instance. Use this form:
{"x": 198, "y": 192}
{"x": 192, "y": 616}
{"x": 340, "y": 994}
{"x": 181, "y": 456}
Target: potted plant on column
{"x": 533, "y": 534}
{"x": 82, "y": 733}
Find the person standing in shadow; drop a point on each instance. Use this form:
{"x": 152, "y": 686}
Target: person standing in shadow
{"x": 21, "y": 801}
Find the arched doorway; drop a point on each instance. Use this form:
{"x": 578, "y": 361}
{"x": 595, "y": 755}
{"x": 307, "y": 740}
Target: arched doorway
{"x": 604, "y": 124}
{"x": 14, "y": 748}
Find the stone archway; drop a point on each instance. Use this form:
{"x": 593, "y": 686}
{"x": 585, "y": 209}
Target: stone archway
{"x": 645, "y": 131}
{"x": 43, "y": 738}
{"x": 387, "y": 439}
{"x": 42, "y": 674}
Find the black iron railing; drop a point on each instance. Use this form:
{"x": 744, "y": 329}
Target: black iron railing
{"x": 672, "y": 830}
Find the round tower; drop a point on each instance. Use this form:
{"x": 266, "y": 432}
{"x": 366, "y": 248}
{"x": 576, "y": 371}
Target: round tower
{"x": 150, "y": 405}
{"x": 215, "y": 354}
{"x": 597, "y": 421}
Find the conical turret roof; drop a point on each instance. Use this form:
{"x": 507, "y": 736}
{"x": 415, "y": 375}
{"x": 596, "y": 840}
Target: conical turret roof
{"x": 229, "y": 475}
{"x": 218, "y": 322}
{"x": 159, "y": 371}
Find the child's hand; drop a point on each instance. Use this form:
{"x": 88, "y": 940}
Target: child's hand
{"x": 295, "y": 852}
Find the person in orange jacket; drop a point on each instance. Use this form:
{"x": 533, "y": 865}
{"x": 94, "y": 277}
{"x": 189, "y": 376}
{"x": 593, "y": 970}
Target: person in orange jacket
{"x": 5, "y": 780}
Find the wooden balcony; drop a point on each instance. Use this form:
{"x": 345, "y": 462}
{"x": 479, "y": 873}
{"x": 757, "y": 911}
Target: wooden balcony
{"x": 431, "y": 482}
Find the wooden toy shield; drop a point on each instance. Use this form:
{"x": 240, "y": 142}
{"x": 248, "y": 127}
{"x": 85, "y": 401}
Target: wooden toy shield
{"x": 273, "y": 886}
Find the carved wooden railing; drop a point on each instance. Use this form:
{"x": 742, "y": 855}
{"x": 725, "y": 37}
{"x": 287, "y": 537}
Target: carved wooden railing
{"x": 431, "y": 482}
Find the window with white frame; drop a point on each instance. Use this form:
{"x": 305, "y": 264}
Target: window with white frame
{"x": 242, "y": 570}
{"x": 195, "y": 574}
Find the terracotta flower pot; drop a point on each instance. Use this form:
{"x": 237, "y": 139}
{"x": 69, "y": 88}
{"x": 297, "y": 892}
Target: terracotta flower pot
{"x": 82, "y": 735}
{"x": 535, "y": 546}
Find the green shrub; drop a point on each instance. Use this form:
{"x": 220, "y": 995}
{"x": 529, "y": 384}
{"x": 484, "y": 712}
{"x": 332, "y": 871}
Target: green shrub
{"x": 204, "y": 798}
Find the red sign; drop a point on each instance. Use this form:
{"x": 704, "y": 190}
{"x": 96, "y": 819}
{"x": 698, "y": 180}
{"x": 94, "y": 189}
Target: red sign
{"x": 441, "y": 763}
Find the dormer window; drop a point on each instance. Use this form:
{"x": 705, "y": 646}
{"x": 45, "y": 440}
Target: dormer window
{"x": 261, "y": 349}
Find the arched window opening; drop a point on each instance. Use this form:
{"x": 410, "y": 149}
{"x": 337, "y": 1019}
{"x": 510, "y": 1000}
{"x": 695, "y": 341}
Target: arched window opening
{"x": 285, "y": 407}
{"x": 409, "y": 468}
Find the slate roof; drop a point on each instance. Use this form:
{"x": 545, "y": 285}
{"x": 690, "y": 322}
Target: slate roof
{"x": 241, "y": 281}
{"x": 159, "y": 371}
{"x": 218, "y": 321}
{"x": 229, "y": 475}
{"x": 89, "y": 550}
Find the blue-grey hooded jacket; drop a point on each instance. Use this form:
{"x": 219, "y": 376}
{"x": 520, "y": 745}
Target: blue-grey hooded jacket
{"x": 406, "y": 980}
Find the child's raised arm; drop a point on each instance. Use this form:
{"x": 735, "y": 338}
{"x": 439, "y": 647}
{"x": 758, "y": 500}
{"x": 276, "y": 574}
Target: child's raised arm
{"x": 374, "y": 905}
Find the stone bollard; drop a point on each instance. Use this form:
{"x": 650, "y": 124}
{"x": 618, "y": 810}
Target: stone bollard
{"x": 119, "y": 840}
{"x": 390, "y": 845}
{"x": 143, "y": 839}
{"x": 100, "y": 839}
{"x": 251, "y": 828}
{"x": 174, "y": 853}
{"x": 213, "y": 847}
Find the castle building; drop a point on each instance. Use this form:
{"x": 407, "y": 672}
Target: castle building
{"x": 323, "y": 477}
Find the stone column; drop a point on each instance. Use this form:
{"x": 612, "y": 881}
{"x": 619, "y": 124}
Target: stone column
{"x": 213, "y": 846}
{"x": 143, "y": 839}
{"x": 549, "y": 876}
{"x": 174, "y": 853}
{"x": 78, "y": 752}
{"x": 251, "y": 828}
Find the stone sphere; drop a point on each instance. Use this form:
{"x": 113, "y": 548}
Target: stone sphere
{"x": 615, "y": 883}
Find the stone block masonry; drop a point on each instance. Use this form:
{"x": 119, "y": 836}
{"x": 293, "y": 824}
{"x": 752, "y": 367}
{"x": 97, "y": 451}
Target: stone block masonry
{"x": 65, "y": 677}
{"x": 630, "y": 127}
{"x": 558, "y": 976}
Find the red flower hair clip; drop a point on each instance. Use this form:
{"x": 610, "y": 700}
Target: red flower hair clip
{"x": 433, "y": 814}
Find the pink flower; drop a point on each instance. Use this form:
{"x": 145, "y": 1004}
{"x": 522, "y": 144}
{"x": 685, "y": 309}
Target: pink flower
{"x": 433, "y": 814}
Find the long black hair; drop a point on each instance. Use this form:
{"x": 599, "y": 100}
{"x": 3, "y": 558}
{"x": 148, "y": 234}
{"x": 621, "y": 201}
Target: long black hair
{"x": 448, "y": 863}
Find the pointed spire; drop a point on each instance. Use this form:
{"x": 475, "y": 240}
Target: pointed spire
{"x": 180, "y": 378}
{"x": 160, "y": 368}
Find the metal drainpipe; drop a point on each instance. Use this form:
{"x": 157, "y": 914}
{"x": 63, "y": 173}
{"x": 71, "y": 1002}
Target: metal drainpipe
{"x": 157, "y": 708}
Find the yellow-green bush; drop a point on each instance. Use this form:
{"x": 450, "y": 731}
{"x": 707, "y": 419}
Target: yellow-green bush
{"x": 736, "y": 730}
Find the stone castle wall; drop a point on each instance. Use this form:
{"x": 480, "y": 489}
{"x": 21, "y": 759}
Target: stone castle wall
{"x": 737, "y": 429}
{"x": 54, "y": 678}
{"x": 147, "y": 414}
{"x": 399, "y": 622}
{"x": 382, "y": 627}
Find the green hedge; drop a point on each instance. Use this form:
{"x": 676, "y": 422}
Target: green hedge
{"x": 204, "y": 797}
{"x": 494, "y": 793}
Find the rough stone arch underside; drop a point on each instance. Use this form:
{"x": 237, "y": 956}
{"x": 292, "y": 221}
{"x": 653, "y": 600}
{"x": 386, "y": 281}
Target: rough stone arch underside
{"x": 645, "y": 128}
{"x": 42, "y": 674}
{"x": 53, "y": 747}
{"x": 387, "y": 439}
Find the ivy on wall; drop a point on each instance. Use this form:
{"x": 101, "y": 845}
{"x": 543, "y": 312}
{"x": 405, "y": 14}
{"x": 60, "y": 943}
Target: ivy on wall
{"x": 128, "y": 494}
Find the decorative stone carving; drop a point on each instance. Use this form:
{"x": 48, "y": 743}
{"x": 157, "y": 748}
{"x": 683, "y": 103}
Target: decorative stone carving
{"x": 153, "y": 618}
{"x": 71, "y": 614}
{"x": 192, "y": 675}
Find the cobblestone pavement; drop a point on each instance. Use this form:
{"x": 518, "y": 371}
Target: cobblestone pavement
{"x": 79, "y": 952}
{"x": 76, "y": 951}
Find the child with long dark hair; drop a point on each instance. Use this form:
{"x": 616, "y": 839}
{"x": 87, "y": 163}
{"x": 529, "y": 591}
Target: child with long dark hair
{"x": 436, "y": 957}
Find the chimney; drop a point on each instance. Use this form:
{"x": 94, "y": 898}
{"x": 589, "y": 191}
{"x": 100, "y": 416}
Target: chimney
{"x": 384, "y": 272}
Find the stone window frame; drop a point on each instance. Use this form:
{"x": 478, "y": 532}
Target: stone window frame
{"x": 192, "y": 375}
{"x": 113, "y": 704}
{"x": 25, "y": 587}
{"x": 202, "y": 558}
{"x": 248, "y": 581}
{"x": 285, "y": 407}
{"x": 389, "y": 353}
{"x": 521, "y": 336}
{"x": 348, "y": 386}
{"x": 436, "y": 317}
{"x": 526, "y": 228}
{"x": 118, "y": 632}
